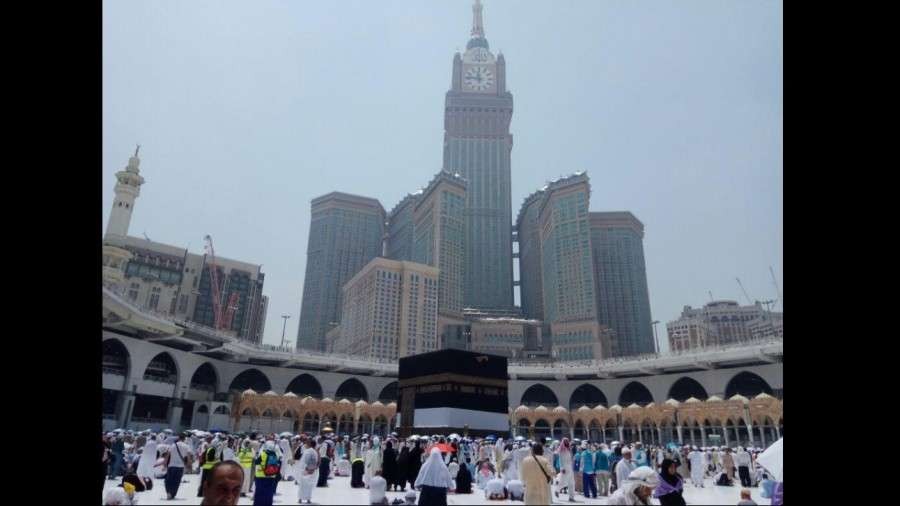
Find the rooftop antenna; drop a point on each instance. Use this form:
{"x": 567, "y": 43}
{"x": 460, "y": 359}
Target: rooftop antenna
{"x": 144, "y": 232}
{"x": 710, "y": 295}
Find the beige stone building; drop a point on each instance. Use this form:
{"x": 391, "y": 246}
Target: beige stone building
{"x": 503, "y": 336}
{"x": 723, "y": 322}
{"x": 389, "y": 311}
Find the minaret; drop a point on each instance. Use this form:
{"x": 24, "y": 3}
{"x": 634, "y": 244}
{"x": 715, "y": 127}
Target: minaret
{"x": 128, "y": 188}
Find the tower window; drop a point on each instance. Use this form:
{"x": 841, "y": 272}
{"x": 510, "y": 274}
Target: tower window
{"x": 120, "y": 204}
{"x": 126, "y": 206}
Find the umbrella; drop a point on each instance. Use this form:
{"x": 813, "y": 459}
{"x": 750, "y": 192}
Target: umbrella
{"x": 773, "y": 460}
{"x": 286, "y": 434}
{"x": 520, "y": 438}
{"x": 444, "y": 448}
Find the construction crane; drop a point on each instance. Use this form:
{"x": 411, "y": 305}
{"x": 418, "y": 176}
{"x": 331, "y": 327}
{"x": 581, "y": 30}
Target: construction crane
{"x": 777, "y": 290}
{"x": 214, "y": 279}
{"x": 745, "y": 291}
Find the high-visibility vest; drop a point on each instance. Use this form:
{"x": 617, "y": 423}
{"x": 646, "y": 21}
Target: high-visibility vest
{"x": 210, "y": 458}
{"x": 261, "y": 466}
{"x": 246, "y": 458}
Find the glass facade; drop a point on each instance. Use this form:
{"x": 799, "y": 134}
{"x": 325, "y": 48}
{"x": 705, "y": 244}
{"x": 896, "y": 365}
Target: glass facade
{"x": 400, "y": 230}
{"x": 530, "y": 279}
{"x": 623, "y": 300}
{"x": 567, "y": 268}
{"x": 344, "y": 235}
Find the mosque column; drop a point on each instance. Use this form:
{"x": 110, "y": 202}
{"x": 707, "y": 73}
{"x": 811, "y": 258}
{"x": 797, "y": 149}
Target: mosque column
{"x": 725, "y": 432}
{"x": 703, "y": 435}
{"x": 355, "y": 425}
{"x": 750, "y": 434}
{"x": 621, "y": 434}
{"x": 777, "y": 432}
{"x": 762, "y": 435}
{"x": 659, "y": 433}
{"x": 680, "y": 440}
{"x": 125, "y": 407}
{"x": 175, "y": 414}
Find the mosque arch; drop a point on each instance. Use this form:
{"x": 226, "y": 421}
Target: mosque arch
{"x": 305, "y": 385}
{"x": 747, "y": 384}
{"x": 352, "y": 389}
{"x": 252, "y": 379}
{"x": 389, "y": 393}
{"x": 635, "y": 393}
{"x": 203, "y": 409}
{"x": 116, "y": 359}
{"x": 685, "y": 388}
{"x": 205, "y": 378}
{"x": 538, "y": 394}
{"x": 586, "y": 395}
{"x": 162, "y": 368}
{"x": 222, "y": 410}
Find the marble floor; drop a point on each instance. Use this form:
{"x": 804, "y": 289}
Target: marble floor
{"x": 339, "y": 492}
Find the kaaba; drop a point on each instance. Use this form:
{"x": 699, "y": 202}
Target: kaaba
{"x": 448, "y": 391}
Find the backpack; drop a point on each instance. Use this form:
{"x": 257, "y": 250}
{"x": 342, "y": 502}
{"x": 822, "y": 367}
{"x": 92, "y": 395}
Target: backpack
{"x": 272, "y": 464}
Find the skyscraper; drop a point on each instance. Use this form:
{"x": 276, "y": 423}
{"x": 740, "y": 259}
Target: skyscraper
{"x": 399, "y": 241}
{"x": 477, "y": 145}
{"x": 438, "y": 221}
{"x": 344, "y": 235}
{"x": 623, "y": 301}
{"x": 528, "y": 231}
{"x": 389, "y": 311}
{"x": 567, "y": 270}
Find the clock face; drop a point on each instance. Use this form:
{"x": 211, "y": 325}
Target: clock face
{"x": 478, "y": 78}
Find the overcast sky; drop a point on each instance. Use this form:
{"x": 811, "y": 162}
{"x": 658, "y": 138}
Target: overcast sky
{"x": 246, "y": 111}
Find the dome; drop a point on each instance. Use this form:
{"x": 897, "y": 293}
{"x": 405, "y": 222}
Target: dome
{"x": 560, "y": 409}
{"x": 270, "y": 393}
{"x": 328, "y": 399}
{"x": 584, "y": 408}
{"x": 541, "y": 409}
{"x": 633, "y": 406}
{"x": 361, "y": 402}
{"x": 691, "y": 400}
{"x": 377, "y": 403}
{"x": 392, "y": 404}
{"x": 650, "y": 405}
{"x": 599, "y": 407}
{"x": 478, "y": 42}
{"x": 739, "y": 397}
{"x": 714, "y": 398}
{"x": 344, "y": 401}
{"x": 615, "y": 407}
{"x": 522, "y": 408}
{"x": 672, "y": 402}
{"x": 249, "y": 391}
{"x": 763, "y": 395}
{"x": 290, "y": 394}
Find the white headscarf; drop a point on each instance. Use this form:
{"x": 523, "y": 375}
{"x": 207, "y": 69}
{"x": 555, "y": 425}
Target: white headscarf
{"x": 434, "y": 472}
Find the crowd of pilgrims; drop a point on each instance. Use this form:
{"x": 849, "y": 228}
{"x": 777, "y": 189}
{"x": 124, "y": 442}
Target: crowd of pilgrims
{"x": 427, "y": 468}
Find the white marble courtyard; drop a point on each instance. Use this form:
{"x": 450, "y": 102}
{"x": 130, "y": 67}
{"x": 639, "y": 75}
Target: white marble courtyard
{"x": 339, "y": 492}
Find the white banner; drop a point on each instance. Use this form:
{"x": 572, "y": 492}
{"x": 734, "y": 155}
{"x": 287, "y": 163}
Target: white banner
{"x": 455, "y": 417}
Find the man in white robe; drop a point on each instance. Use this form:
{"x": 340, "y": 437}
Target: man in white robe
{"x": 287, "y": 458}
{"x": 307, "y": 471}
{"x": 698, "y": 466}
{"x": 148, "y": 459}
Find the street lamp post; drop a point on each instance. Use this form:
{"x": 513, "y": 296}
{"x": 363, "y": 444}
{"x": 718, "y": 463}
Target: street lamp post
{"x": 655, "y": 336}
{"x": 285, "y": 316}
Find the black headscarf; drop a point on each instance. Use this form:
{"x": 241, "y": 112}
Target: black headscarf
{"x": 671, "y": 479}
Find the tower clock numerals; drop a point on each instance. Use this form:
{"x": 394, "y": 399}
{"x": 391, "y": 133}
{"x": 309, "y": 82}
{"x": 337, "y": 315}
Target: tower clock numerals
{"x": 478, "y": 78}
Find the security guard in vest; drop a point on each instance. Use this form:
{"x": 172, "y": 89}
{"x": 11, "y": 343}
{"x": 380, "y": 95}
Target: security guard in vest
{"x": 245, "y": 457}
{"x": 265, "y": 485}
{"x": 212, "y": 455}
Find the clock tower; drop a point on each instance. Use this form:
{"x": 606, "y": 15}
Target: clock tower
{"x": 477, "y": 145}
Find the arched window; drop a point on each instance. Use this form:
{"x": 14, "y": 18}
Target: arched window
{"x": 538, "y": 394}
{"x": 685, "y": 388}
{"x": 586, "y": 395}
{"x": 162, "y": 369}
{"x": 205, "y": 378}
{"x": 115, "y": 357}
{"x": 352, "y": 390}
{"x": 389, "y": 393}
{"x": 305, "y": 385}
{"x": 203, "y": 409}
{"x": 222, "y": 410}
{"x": 747, "y": 384}
{"x": 252, "y": 379}
{"x": 635, "y": 393}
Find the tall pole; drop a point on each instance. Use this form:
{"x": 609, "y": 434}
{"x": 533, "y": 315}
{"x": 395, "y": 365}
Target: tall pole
{"x": 284, "y": 327}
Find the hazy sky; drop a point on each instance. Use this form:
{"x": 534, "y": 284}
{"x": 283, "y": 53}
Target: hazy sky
{"x": 246, "y": 111}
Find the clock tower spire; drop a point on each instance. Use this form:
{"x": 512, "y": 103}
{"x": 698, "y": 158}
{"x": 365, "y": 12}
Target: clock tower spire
{"x": 477, "y": 22}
